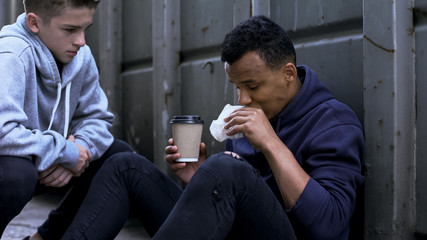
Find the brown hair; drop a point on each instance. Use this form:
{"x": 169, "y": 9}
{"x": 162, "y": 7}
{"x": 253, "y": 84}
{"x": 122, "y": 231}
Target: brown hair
{"x": 47, "y": 9}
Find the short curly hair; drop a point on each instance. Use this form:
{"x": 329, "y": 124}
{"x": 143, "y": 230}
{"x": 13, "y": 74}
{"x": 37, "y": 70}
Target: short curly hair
{"x": 47, "y": 9}
{"x": 260, "y": 34}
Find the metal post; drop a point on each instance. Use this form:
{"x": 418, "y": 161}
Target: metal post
{"x": 241, "y": 10}
{"x": 16, "y": 8}
{"x": 166, "y": 73}
{"x": 4, "y": 12}
{"x": 389, "y": 85}
{"x": 110, "y": 57}
{"x": 261, "y": 7}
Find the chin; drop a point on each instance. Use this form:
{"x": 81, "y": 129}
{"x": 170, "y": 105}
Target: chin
{"x": 65, "y": 61}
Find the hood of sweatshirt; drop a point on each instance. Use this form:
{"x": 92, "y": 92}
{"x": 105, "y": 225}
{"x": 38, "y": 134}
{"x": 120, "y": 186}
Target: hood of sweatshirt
{"x": 311, "y": 94}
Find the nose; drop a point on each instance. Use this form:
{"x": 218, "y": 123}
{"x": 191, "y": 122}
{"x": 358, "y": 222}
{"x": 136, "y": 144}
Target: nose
{"x": 244, "y": 97}
{"x": 80, "y": 39}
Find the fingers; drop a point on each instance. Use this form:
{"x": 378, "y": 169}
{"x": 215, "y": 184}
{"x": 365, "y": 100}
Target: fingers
{"x": 80, "y": 167}
{"x": 171, "y": 152}
{"x": 202, "y": 147}
{"x": 88, "y": 154}
{"x": 243, "y": 119}
{"x": 57, "y": 178}
{"x": 172, "y": 155}
{"x": 89, "y": 157}
{"x": 239, "y": 112}
{"x": 176, "y": 166}
{"x": 203, "y": 152}
{"x": 61, "y": 181}
{"x": 233, "y": 127}
{"x": 235, "y": 155}
{"x": 83, "y": 162}
{"x": 71, "y": 138}
{"x": 237, "y": 117}
{"x": 47, "y": 172}
{"x": 171, "y": 149}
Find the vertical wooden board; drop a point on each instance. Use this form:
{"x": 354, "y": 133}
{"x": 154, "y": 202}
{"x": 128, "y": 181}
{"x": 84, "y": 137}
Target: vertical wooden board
{"x": 137, "y": 31}
{"x": 421, "y": 155}
{"x": 138, "y": 111}
{"x": 204, "y": 23}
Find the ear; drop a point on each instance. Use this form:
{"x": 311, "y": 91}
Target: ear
{"x": 290, "y": 71}
{"x": 33, "y": 22}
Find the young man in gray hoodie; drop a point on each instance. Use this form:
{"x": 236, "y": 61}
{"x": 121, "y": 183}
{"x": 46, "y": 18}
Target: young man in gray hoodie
{"x": 53, "y": 113}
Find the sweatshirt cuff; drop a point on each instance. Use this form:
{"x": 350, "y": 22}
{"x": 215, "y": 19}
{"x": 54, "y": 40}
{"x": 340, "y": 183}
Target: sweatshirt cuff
{"x": 83, "y": 143}
{"x": 71, "y": 154}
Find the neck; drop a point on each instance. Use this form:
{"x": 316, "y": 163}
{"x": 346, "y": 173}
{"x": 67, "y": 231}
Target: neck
{"x": 60, "y": 65}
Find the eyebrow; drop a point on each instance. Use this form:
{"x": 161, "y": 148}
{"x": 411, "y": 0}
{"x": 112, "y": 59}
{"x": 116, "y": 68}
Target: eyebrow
{"x": 246, "y": 81}
{"x": 76, "y": 26}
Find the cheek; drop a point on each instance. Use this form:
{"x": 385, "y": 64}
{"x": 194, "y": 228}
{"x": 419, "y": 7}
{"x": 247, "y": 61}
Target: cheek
{"x": 55, "y": 47}
{"x": 262, "y": 96}
{"x": 267, "y": 99}
{"x": 52, "y": 41}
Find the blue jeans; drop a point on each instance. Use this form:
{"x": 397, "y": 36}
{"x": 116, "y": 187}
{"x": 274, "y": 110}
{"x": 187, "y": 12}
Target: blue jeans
{"x": 19, "y": 183}
{"x": 226, "y": 198}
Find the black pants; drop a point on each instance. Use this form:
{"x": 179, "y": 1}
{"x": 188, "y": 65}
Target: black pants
{"x": 19, "y": 183}
{"x": 225, "y": 199}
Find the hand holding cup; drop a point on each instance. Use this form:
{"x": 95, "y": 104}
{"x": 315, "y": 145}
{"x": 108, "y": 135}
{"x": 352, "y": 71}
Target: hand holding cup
{"x": 186, "y": 152}
{"x": 184, "y": 170}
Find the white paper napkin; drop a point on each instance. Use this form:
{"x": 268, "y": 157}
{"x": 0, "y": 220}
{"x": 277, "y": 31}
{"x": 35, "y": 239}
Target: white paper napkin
{"x": 217, "y": 126}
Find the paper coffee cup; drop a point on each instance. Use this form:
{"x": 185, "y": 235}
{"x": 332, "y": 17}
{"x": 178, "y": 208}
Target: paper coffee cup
{"x": 187, "y": 135}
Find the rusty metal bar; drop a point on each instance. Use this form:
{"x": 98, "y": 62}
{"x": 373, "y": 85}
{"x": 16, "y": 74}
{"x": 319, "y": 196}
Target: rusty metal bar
{"x": 166, "y": 73}
{"x": 389, "y": 103}
{"x": 110, "y": 57}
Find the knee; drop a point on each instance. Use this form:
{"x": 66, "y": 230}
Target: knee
{"x": 18, "y": 179}
{"x": 126, "y": 160}
{"x": 121, "y": 146}
{"x": 228, "y": 166}
{"x": 118, "y": 146}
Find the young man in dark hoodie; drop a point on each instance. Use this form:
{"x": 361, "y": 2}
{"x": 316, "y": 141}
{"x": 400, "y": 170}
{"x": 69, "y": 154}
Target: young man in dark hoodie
{"x": 294, "y": 174}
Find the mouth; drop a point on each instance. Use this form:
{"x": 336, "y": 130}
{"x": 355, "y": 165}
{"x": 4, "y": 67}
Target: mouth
{"x": 72, "y": 53}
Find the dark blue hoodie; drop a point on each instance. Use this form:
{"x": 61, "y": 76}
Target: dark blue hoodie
{"x": 326, "y": 138}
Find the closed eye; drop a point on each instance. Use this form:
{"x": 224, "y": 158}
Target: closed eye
{"x": 70, "y": 29}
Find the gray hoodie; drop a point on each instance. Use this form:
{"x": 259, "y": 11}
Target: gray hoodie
{"x": 39, "y": 108}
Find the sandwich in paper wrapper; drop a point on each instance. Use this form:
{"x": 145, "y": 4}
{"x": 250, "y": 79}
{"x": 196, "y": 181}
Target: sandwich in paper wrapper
{"x": 217, "y": 126}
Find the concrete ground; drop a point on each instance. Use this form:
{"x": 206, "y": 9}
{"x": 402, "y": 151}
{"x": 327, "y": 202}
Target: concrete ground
{"x": 36, "y": 211}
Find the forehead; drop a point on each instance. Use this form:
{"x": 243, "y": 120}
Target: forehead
{"x": 75, "y": 16}
{"x": 250, "y": 66}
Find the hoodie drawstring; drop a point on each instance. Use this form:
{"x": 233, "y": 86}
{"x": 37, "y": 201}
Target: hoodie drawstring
{"x": 67, "y": 107}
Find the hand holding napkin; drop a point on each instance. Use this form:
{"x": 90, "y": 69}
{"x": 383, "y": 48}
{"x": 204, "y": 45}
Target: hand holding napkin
{"x": 217, "y": 127}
